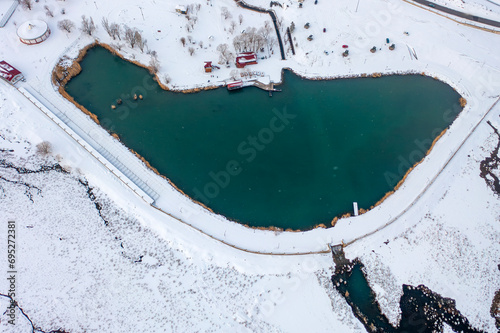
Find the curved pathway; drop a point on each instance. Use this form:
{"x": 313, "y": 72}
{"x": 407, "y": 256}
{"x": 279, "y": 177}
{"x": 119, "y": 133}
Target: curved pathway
{"x": 432, "y": 5}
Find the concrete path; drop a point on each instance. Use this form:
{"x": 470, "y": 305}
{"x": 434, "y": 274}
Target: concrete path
{"x": 457, "y": 13}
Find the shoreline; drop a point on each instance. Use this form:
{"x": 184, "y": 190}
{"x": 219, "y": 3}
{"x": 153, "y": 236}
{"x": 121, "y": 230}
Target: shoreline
{"x": 75, "y": 68}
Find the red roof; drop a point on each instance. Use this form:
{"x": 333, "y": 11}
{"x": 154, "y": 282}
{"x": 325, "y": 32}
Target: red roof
{"x": 235, "y": 84}
{"x": 7, "y": 71}
{"x": 247, "y": 58}
{"x": 208, "y": 64}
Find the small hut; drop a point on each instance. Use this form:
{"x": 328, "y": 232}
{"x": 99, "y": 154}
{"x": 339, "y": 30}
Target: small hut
{"x": 208, "y": 67}
{"x": 33, "y": 32}
{"x": 181, "y": 9}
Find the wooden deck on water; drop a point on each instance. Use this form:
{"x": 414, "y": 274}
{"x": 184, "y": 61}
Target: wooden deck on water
{"x": 265, "y": 86}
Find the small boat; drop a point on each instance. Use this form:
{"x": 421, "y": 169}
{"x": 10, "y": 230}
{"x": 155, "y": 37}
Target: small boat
{"x": 345, "y": 46}
{"x": 235, "y": 85}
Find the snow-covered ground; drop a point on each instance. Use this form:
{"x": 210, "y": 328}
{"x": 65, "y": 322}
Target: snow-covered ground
{"x": 450, "y": 243}
{"x": 119, "y": 273}
{"x": 75, "y": 274}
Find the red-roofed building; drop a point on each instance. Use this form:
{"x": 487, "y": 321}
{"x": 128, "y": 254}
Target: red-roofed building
{"x": 208, "y": 66}
{"x": 247, "y": 58}
{"x": 9, "y": 73}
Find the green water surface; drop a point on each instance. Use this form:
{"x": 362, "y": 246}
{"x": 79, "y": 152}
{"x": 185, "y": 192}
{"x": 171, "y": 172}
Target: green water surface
{"x": 293, "y": 160}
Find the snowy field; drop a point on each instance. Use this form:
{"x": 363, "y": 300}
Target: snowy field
{"x": 133, "y": 268}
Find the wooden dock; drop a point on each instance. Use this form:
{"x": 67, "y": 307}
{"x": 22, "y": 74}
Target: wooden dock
{"x": 264, "y": 86}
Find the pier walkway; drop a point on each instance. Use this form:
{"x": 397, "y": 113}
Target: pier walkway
{"x": 115, "y": 157}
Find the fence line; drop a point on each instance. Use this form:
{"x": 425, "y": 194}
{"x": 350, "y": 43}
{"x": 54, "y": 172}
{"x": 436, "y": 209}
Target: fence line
{"x": 98, "y": 151}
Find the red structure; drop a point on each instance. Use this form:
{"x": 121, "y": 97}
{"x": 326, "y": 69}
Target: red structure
{"x": 235, "y": 85}
{"x": 9, "y": 73}
{"x": 208, "y": 66}
{"x": 247, "y": 58}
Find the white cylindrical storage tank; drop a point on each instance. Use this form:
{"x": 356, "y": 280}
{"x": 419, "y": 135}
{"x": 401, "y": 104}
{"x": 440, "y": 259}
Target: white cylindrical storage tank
{"x": 33, "y": 32}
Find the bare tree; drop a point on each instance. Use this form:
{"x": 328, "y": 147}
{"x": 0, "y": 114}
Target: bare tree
{"x": 234, "y": 74}
{"x": 240, "y": 19}
{"x": 225, "y": 13}
{"x": 167, "y": 79}
{"x": 154, "y": 65}
{"x": 200, "y": 44}
{"x": 225, "y": 55}
{"x": 115, "y": 31}
{"x": 232, "y": 26}
{"x": 117, "y": 46}
{"x": 140, "y": 41}
{"x": 88, "y": 25}
{"x": 183, "y": 41}
{"x": 48, "y": 12}
{"x": 129, "y": 36}
{"x": 106, "y": 26}
{"x": 44, "y": 148}
{"x": 191, "y": 51}
{"x": 27, "y": 4}
{"x": 66, "y": 25}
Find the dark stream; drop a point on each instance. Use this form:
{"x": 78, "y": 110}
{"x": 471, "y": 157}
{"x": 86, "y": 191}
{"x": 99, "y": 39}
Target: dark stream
{"x": 422, "y": 310}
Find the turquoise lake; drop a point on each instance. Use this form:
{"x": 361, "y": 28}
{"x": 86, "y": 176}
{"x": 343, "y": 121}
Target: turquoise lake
{"x": 293, "y": 160}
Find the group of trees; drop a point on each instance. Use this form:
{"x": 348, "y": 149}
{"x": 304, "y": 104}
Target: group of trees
{"x": 113, "y": 29}
{"x": 225, "y": 56}
{"x": 28, "y": 4}
{"x": 131, "y": 36}
{"x": 253, "y": 40}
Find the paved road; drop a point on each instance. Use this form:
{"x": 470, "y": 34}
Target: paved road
{"x": 459, "y": 14}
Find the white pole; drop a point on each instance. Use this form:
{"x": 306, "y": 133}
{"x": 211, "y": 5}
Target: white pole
{"x": 355, "y": 206}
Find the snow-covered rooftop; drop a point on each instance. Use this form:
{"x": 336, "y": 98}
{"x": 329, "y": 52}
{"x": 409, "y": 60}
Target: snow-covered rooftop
{"x": 32, "y": 29}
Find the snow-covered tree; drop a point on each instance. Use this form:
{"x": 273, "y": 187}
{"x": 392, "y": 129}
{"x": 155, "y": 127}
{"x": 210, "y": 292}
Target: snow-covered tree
{"x": 129, "y": 36}
{"x": 225, "y": 56}
{"x": 48, "y": 11}
{"x": 249, "y": 41}
{"x": 27, "y": 4}
{"x": 115, "y": 30}
{"x": 106, "y": 26}
{"x": 225, "y": 13}
{"x": 140, "y": 41}
{"x": 154, "y": 64}
{"x": 232, "y": 27}
{"x": 88, "y": 25}
{"x": 44, "y": 148}
{"x": 66, "y": 25}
